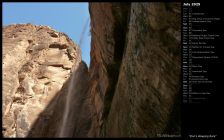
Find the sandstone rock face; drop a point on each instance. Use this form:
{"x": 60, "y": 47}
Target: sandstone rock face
{"x": 37, "y": 62}
{"x": 68, "y": 115}
{"x": 135, "y": 69}
{"x": 108, "y": 28}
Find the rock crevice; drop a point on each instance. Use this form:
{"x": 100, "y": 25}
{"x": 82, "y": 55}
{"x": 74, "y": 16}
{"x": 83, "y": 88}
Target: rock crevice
{"x": 142, "y": 81}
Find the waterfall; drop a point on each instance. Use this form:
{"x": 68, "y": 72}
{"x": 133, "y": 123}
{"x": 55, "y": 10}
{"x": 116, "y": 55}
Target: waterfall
{"x": 67, "y": 127}
{"x": 73, "y": 102}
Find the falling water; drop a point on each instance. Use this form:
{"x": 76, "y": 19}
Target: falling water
{"x": 66, "y": 127}
{"x": 69, "y": 119}
{"x": 73, "y": 101}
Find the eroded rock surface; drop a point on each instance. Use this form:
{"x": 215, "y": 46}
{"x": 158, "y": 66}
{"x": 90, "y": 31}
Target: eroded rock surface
{"x": 135, "y": 69}
{"x": 108, "y": 28}
{"x": 68, "y": 115}
{"x": 37, "y": 61}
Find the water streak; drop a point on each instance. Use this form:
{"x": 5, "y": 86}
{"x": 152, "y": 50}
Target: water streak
{"x": 67, "y": 127}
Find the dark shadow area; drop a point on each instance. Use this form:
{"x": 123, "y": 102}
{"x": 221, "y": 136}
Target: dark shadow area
{"x": 121, "y": 14}
{"x": 49, "y": 122}
{"x": 174, "y": 124}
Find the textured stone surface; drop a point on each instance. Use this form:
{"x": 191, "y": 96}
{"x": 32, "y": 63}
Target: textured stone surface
{"x": 36, "y": 64}
{"x": 149, "y": 78}
{"x": 108, "y": 29}
{"x": 135, "y": 98}
{"x": 72, "y": 97}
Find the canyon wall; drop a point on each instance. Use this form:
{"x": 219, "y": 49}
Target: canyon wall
{"x": 108, "y": 30}
{"x": 135, "y": 69}
{"x": 37, "y": 62}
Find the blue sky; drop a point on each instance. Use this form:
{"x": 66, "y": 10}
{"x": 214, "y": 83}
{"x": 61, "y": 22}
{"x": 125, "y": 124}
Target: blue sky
{"x": 69, "y": 18}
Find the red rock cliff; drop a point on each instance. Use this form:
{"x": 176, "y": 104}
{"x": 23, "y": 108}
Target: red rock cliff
{"x": 135, "y": 69}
